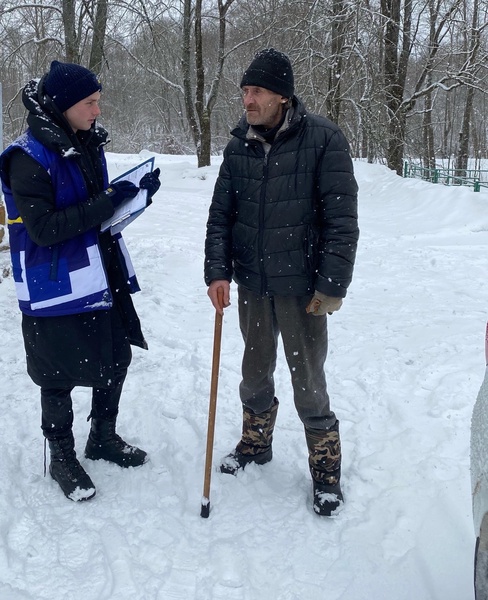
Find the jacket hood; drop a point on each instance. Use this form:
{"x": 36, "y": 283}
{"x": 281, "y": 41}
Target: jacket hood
{"x": 50, "y": 127}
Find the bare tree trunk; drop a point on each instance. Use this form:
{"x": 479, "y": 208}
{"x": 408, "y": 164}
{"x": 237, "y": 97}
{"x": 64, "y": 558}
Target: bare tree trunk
{"x": 446, "y": 129}
{"x": 428, "y": 134}
{"x": 186, "y": 63}
{"x": 338, "y": 39}
{"x": 203, "y": 151}
{"x": 464, "y": 134}
{"x": 427, "y": 128}
{"x": 199, "y": 113}
{"x": 98, "y": 41}
{"x": 73, "y": 31}
{"x": 71, "y": 40}
{"x": 393, "y": 91}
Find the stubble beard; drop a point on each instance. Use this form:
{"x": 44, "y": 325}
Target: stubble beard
{"x": 256, "y": 118}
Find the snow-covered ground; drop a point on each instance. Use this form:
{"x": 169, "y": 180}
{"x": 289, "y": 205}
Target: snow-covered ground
{"x": 405, "y": 365}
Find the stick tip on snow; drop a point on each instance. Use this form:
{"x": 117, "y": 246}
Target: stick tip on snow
{"x": 205, "y": 511}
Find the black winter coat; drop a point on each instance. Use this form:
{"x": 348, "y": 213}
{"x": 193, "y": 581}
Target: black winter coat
{"x": 285, "y": 223}
{"x": 71, "y": 350}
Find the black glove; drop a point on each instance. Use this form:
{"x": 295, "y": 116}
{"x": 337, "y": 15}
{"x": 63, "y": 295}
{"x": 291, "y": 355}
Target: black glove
{"x": 120, "y": 191}
{"x": 150, "y": 182}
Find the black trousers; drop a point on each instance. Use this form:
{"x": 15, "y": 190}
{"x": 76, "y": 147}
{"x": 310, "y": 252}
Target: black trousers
{"x": 57, "y": 405}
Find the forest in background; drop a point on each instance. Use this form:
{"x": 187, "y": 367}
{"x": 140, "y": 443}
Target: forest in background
{"x": 405, "y": 80}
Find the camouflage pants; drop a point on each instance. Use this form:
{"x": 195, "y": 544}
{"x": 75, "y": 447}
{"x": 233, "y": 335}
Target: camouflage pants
{"x": 262, "y": 319}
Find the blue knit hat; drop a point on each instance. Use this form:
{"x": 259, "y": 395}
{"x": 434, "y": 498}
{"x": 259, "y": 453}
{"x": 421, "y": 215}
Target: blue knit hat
{"x": 270, "y": 69}
{"x": 67, "y": 84}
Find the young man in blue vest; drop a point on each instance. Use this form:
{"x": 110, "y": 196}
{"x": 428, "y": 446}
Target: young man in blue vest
{"x": 73, "y": 282}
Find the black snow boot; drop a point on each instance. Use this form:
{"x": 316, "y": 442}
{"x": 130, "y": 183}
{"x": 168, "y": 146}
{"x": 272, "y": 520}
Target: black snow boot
{"x": 255, "y": 445}
{"x": 327, "y": 496}
{"x": 324, "y": 448}
{"x": 67, "y": 471}
{"x": 104, "y": 443}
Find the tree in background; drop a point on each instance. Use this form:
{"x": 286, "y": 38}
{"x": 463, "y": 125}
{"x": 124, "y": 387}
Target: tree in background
{"x": 200, "y": 102}
{"x": 472, "y": 37}
{"x": 401, "y": 79}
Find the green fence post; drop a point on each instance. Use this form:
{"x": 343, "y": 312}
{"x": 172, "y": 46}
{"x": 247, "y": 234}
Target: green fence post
{"x": 476, "y": 186}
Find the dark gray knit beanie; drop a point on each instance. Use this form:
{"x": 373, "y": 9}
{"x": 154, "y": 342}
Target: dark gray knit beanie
{"x": 67, "y": 84}
{"x": 272, "y": 70}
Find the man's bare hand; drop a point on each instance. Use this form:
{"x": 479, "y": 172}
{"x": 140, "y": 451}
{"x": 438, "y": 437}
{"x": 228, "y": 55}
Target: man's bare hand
{"x": 213, "y": 293}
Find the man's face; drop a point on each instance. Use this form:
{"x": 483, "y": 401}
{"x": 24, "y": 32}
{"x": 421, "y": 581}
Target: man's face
{"x": 83, "y": 114}
{"x": 263, "y": 107}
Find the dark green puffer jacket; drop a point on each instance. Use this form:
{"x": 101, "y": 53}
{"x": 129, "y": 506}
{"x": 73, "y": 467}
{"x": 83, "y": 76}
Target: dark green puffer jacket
{"x": 285, "y": 222}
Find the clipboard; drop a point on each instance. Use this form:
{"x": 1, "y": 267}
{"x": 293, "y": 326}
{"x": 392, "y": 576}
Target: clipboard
{"x": 131, "y": 208}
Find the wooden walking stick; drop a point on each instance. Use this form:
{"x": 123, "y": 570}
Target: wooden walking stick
{"x": 205, "y": 510}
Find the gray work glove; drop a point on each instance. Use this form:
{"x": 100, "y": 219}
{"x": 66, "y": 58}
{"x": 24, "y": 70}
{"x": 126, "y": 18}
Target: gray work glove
{"x": 321, "y": 304}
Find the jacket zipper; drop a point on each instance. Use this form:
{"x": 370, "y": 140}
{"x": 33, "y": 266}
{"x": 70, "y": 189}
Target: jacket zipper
{"x": 261, "y": 224}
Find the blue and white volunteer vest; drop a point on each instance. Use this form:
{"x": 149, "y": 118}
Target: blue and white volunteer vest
{"x": 65, "y": 278}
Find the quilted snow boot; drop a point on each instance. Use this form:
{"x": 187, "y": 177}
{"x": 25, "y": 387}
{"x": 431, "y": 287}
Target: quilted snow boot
{"x": 104, "y": 443}
{"x": 324, "y": 449}
{"x": 66, "y": 470}
{"x": 255, "y": 445}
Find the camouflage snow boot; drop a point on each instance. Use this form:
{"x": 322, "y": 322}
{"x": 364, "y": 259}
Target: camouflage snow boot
{"x": 255, "y": 444}
{"x": 324, "y": 448}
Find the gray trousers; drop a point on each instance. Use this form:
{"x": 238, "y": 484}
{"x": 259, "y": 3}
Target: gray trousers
{"x": 262, "y": 319}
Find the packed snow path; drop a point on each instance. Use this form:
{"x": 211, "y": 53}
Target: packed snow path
{"x": 405, "y": 365}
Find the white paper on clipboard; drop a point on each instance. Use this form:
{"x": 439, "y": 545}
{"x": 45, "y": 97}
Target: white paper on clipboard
{"x": 129, "y": 209}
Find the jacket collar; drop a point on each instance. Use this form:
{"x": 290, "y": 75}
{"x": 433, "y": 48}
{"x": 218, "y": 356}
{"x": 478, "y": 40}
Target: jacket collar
{"x": 253, "y": 134}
